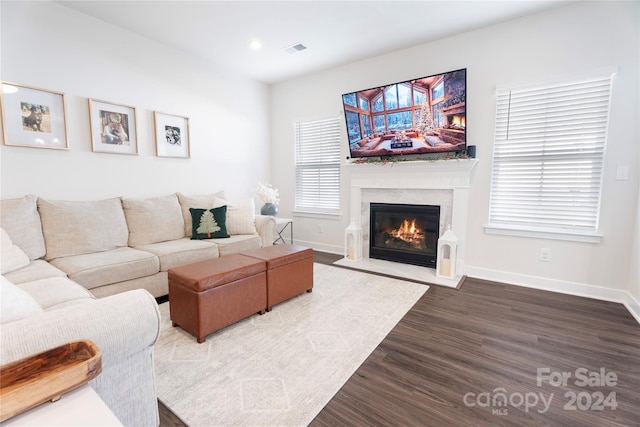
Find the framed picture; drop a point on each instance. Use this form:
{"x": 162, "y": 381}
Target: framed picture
{"x": 33, "y": 117}
{"x": 172, "y": 135}
{"x": 113, "y": 128}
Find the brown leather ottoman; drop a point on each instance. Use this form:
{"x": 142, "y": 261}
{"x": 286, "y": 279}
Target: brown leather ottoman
{"x": 289, "y": 270}
{"x": 207, "y": 296}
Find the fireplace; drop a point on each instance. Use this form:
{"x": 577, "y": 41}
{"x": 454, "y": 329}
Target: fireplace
{"x": 404, "y": 233}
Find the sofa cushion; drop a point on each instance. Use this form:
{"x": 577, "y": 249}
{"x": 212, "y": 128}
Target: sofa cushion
{"x": 53, "y": 292}
{"x": 21, "y": 221}
{"x": 36, "y": 270}
{"x": 208, "y": 223}
{"x": 238, "y": 243}
{"x": 11, "y": 257}
{"x": 203, "y": 201}
{"x": 15, "y": 303}
{"x": 82, "y": 227}
{"x": 153, "y": 220}
{"x": 241, "y": 216}
{"x": 104, "y": 268}
{"x": 183, "y": 251}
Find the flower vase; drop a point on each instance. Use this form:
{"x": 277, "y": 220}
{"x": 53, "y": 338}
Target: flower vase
{"x": 269, "y": 209}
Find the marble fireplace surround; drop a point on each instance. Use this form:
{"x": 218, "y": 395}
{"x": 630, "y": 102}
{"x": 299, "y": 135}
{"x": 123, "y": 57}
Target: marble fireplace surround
{"x": 443, "y": 183}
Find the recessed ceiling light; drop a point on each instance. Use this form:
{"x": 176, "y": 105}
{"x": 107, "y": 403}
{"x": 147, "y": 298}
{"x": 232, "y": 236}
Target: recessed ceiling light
{"x": 255, "y": 44}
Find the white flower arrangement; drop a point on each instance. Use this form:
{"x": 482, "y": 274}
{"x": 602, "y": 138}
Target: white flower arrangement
{"x": 267, "y": 193}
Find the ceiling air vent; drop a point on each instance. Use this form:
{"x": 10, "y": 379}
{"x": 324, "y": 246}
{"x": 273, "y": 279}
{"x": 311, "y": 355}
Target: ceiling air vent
{"x": 298, "y": 47}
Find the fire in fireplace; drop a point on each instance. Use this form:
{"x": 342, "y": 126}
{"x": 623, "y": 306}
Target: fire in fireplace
{"x": 404, "y": 233}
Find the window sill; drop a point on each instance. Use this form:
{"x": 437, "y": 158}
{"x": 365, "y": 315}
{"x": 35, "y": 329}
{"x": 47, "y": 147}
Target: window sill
{"x": 551, "y": 234}
{"x": 302, "y": 214}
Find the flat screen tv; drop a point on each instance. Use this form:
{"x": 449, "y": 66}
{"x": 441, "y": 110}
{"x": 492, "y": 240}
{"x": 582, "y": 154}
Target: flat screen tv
{"x": 413, "y": 117}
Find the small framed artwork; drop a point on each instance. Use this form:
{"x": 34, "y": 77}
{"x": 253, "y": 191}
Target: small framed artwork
{"x": 172, "y": 135}
{"x": 113, "y": 128}
{"x": 33, "y": 117}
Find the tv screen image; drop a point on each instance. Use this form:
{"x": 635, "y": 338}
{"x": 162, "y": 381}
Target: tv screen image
{"x": 420, "y": 116}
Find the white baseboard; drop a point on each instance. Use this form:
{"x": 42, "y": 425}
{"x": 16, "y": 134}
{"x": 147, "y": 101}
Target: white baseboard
{"x": 553, "y": 285}
{"x": 338, "y": 250}
{"x": 560, "y": 286}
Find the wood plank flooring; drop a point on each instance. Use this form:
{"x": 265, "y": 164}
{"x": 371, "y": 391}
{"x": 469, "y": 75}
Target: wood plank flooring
{"x": 456, "y": 349}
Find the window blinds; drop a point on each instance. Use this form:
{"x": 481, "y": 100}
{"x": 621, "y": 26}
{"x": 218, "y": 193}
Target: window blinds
{"x": 548, "y": 156}
{"x": 318, "y": 166}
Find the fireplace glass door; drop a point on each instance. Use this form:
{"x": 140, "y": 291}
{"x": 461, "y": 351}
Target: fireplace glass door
{"x": 404, "y": 233}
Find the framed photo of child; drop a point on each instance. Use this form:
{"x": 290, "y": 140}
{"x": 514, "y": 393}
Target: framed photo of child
{"x": 113, "y": 128}
{"x": 172, "y": 135}
{"x": 33, "y": 117}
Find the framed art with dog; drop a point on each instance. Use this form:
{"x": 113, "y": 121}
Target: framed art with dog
{"x": 33, "y": 117}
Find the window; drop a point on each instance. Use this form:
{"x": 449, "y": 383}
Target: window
{"x": 317, "y": 145}
{"x": 353, "y": 126}
{"x": 548, "y": 158}
{"x": 364, "y": 104}
{"x": 350, "y": 99}
{"x": 438, "y": 90}
{"x": 391, "y": 97}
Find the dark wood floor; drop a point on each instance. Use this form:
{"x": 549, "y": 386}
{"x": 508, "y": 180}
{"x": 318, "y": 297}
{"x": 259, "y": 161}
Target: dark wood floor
{"x": 457, "y": 349}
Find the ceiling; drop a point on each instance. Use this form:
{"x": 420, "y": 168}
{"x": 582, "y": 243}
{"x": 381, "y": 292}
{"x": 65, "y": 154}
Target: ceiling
{"x": 335, "y": 32}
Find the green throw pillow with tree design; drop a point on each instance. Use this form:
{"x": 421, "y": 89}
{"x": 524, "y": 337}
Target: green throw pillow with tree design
{"x": 208, "y": 223}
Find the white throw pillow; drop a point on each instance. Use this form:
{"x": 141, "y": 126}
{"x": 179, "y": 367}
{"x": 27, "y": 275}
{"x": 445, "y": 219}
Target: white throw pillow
{"x": 11, "y": 256}
{"x": 241, "y": 216}
{"x": 15, "y": 304}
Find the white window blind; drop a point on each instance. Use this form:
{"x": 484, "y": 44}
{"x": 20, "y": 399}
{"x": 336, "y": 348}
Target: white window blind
{"x": 318, "y": 166}
{"x": 548, "y": 156}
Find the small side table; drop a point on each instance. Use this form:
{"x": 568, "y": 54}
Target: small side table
{"x": 281, "y": 225}
{"x": 79, "y": 407}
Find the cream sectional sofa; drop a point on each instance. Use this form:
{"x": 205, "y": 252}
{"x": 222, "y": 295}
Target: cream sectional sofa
{"x": 114, "y": 245}
{"x": 90, "y": 270}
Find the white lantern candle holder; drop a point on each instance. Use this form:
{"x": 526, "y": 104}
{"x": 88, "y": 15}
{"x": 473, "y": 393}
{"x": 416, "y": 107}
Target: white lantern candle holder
{"x": 447, "y": 255}
{"x": 353, "y": 243}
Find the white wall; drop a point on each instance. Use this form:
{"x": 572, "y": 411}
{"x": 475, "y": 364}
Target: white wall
{"x": 50, "y": 46}
{"x": 580, "y": 36}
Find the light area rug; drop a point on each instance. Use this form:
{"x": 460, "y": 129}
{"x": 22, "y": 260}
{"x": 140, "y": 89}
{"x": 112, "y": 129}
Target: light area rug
{"x": 281, "y": 368}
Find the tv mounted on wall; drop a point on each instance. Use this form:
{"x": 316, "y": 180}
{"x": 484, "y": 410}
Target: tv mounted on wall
{"x": 420, "y": 116}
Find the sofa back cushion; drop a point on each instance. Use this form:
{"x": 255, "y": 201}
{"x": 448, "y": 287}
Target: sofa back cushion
{"x": 82, "y": 227}
{"x": 11, "y": 257}
{"x": 204, "y": 201}
{"x": 153, "y": 220}
{"x": 21, "y": 221}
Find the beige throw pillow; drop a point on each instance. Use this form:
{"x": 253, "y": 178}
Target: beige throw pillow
{"x": 241, "y": 216}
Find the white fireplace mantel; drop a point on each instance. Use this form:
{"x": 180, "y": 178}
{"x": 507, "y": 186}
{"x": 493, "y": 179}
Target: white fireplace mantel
{"x": 413, "y": 177}
{"x": 438, "y": 174}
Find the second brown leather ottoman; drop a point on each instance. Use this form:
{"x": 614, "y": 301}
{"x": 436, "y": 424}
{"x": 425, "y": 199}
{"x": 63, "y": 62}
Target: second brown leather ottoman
{"x": 289, "y": 270}
{"x": 209, "y": 295}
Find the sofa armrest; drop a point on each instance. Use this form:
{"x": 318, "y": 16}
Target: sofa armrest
{"x": 266, "y": 224}
{"x": 120, "y": 325}
{"x": 124, "y": 326}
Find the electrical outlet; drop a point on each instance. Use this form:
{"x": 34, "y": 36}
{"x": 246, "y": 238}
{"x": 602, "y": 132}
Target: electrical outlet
{"x": 622, "y": 173}
{"x": 320, "y": 229}
{"x": 545, "y": 254}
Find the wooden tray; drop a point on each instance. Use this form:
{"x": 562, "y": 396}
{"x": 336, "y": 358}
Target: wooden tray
{"x": 43, "y": 377}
